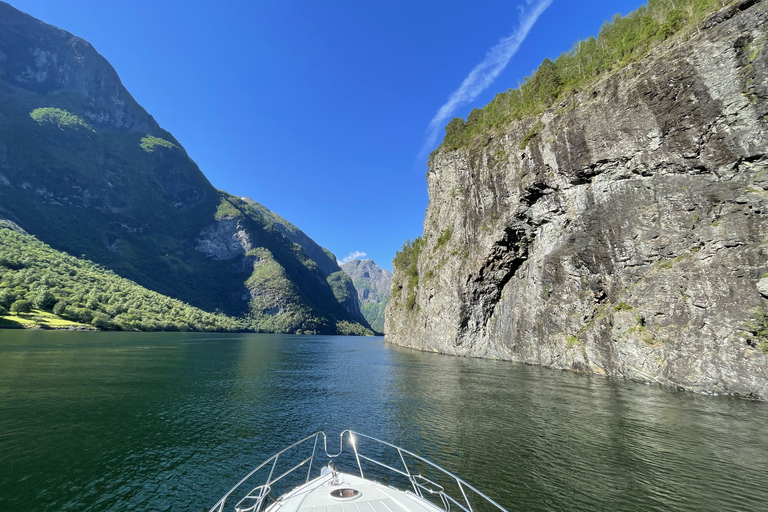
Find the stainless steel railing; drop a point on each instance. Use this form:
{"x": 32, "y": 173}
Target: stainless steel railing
{"x": 426, "y": 488}
{"x": 254, "y": 500}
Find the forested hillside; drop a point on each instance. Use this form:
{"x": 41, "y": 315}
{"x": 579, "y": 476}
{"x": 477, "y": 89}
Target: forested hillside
{"x": 35, "y": 277}
{"x": 88, "y": 171}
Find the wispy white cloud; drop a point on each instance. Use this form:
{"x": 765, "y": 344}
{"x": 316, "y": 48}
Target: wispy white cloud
{"x": 483, "y": 75}
{"x": 355, "y": 255}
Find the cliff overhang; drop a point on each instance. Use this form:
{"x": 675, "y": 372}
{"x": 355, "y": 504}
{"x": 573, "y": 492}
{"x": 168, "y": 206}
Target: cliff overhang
{"x": 622, "y": 232}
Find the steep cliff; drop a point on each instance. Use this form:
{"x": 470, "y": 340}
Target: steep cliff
{"x": 622, "y": 232}
{"x": 84, "y": 168}
{"x": 373, "y": 286}
{"x": 332, "y": 274}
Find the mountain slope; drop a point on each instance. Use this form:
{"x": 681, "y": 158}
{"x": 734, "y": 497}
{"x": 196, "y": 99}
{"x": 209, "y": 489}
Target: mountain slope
{"x": 287, "y": 290}
{"x": 85, "y": 169}
{"x": 83, "y": 292}
{"x": 621, "y": 231}
{"x": 373, "y": 285}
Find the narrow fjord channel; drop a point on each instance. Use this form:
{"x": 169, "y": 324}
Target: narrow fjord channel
{"x": 156, "y": 422}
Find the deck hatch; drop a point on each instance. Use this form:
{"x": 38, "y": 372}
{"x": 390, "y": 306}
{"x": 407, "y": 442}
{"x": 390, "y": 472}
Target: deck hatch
{"x": 345, "y": 494}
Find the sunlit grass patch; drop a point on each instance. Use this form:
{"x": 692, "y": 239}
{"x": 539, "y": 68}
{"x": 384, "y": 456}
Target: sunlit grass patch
{"x": 41, "y": 319}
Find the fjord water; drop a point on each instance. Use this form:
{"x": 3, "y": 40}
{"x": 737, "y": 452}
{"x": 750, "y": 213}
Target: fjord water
{"x": 156, "y": 422}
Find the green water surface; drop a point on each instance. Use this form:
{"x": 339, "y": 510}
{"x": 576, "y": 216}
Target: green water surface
{"x": 160, "y": 422}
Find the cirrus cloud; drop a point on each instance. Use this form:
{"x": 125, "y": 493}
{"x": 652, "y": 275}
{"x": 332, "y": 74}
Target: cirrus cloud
{"x": 483, "y": 75}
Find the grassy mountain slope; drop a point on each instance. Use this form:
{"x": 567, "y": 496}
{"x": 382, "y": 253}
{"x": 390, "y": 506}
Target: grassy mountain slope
{"x": 340, "y": 283}
{"x": 85, "y": 169}
{"x": 83, "y": 293}
{"x": 290, "y": 291}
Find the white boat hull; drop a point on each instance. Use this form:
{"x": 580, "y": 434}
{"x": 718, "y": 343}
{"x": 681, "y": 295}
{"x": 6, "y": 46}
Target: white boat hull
{"x": 369, "y": 496}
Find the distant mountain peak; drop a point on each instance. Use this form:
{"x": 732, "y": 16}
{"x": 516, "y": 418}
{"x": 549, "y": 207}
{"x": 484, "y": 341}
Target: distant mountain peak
{"x": 373, "y": 287}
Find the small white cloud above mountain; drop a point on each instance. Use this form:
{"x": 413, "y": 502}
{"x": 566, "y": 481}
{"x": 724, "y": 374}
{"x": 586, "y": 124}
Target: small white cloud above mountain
{"x": 355, "y": 255}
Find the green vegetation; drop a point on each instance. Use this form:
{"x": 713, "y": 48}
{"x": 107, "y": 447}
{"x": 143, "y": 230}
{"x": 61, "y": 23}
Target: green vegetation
{"x": 38, "y": 319}
{"x": 374, "y": 313}
{"x": 135, "y": 203}
{"x": 273, "y": 294}
{"x": 351, "y": 329}
{"x": 279, "y": 303}
{"x": 444, "y": 237}
{"x": 150, "y": 142}
{"x": 759, "y": 330}
{"x": 289, "y": 290}
{"x": 407, "y": 261}
{"x": 60, "y": 118}
{"x": 620, "y": 41}
{"x": 227, "y": 210}
{"x": 500, "y": 156}
{"x": 341, "y": 285}
{"x": 641, "y": 331}
{"x": 622, "y": 306}
{"x": 407, "y": 258}
{"x": 651, "y": 341}
{"x": 60, "y": 290}
{"x": 21, "y": 306}
{"x": 98, "y": 194}
{"x": 573, "y": 340}
{"x": 534, "y": 131}
{"x": 146, "y": 228}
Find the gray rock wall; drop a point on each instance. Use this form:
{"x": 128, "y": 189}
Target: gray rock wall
{"x": 372, "y": 284}
{"x": 627, "y": 238}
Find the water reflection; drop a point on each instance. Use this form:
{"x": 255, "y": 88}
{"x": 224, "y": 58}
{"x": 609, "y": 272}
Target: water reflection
{"x": 544, "y": 440}
{"x": 133, "y": 421}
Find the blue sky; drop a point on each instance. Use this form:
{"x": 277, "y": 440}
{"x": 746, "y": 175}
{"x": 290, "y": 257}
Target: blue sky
{"x": 324, "y": 110}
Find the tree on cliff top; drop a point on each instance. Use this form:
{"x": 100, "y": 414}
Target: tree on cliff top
{"x": 620, "y": 41}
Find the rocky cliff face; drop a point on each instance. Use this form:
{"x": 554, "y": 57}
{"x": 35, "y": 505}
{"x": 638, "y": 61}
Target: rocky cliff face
{"x": 373, "y": 286}
{"x": 330, "y": 271}
{"x": 627, "y": 237}
{"x": 47, "y": 60}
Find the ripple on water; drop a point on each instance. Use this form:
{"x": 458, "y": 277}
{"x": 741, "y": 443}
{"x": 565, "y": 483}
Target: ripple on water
{"x": 128, "y": 421}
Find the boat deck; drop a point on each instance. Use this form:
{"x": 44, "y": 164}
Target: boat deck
{"x": 315, "y": 496}
{"x": 335, "y": 491}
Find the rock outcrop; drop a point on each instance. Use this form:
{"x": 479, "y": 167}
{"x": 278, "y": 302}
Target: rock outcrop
{"x": 47, "y": 60}
{"x": 330, "y": 273}
{"x": 225, "y": 239}
{"x": 629, "y": 235}
{"x": 373, "y": 286}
